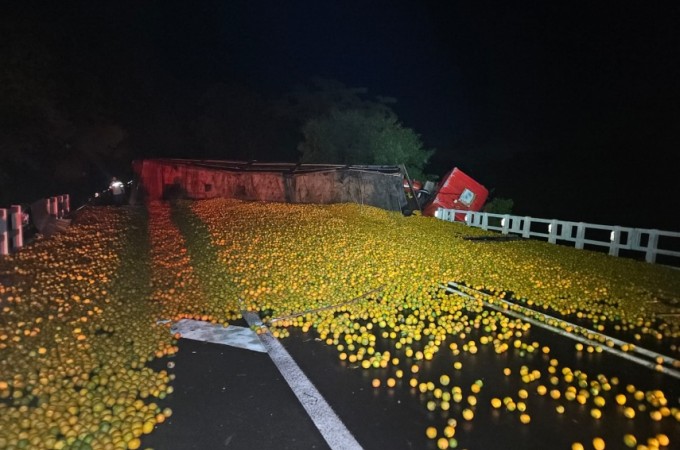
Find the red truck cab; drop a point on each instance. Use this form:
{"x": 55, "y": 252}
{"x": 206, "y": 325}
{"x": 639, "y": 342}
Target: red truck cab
{"x": 457, "y": 190}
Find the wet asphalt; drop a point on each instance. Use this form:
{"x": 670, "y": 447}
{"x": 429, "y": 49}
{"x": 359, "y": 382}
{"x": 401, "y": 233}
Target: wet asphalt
{"x": 232, "y": 398}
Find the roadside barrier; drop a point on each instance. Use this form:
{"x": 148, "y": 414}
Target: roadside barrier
{"x": 14, "y": 219}
{"x": 651, "y": 242}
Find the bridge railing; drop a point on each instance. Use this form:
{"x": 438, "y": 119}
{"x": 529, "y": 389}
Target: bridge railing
{"x": 651, "y": 242}
{"x": 13, "y": 220}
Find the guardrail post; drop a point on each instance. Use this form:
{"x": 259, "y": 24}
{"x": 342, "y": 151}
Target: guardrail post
{"x": 485, "y": 221}
{"x": 53, "y": 206}
{"x": 580, "y": 235}
{"x": 468, "y": 219}
{"x": 650, "y": 254}
{"x": 4, "y": 232}
{"x": 63, "y": 206}
{"x": 552, "y": 231}
{"x": 60, "y": 206}
{"x": 565, "y": 232}
{"x": 634, "y": 239}
{"x": 17, "y": 227}
{"x": 506, "y": 223}
{"x": 615, "y": 239}
{"x": 514, "y": 224}
{"x": 67, "y": 203}
{"x": 526, "y": 228}
{"x": 446, "y": 214}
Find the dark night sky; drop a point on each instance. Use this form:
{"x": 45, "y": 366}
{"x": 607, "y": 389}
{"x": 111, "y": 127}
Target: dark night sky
{"x": 570, "y": 108}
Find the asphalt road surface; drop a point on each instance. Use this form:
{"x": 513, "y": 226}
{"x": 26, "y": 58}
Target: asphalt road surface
{"x": 226, "y": 397}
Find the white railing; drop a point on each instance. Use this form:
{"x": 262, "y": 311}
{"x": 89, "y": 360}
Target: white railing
{"x": 11, "y": 229}
{"x": 614, "y": 237}
{"x": 12, "y": 221}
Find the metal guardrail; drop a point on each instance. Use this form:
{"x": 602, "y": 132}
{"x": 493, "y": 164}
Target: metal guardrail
{"x": 614, "y": 237}
{"x": 13, "y": 220}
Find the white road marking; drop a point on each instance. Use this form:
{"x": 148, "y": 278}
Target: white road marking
{"x": 331, "y": 427}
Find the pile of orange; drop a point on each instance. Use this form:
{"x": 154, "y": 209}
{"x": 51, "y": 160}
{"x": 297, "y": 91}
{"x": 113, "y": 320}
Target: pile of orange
{"x": 84, "y": 312}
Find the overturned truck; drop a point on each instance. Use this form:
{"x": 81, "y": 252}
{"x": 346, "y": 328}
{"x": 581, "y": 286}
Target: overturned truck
{"x": 166, "y": 179}
{"x": 380, "y": 186}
